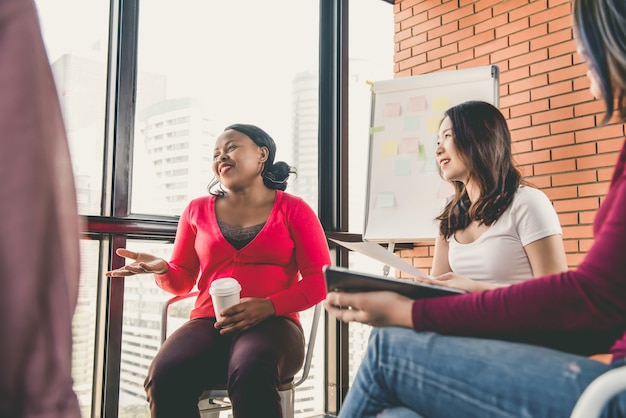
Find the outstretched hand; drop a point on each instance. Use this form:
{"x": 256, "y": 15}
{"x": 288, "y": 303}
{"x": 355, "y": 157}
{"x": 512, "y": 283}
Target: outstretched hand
{"x": 143, "y": 263}
{"x": 378, "y": 309}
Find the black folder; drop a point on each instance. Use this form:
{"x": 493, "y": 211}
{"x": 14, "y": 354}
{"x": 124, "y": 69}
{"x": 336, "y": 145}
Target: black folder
{"x": 340, "y": 279}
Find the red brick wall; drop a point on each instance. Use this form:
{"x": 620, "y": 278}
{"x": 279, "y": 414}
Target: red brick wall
{"x": 543, "y": 94}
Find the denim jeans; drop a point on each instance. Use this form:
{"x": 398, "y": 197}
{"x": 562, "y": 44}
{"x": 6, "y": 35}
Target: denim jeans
{"x": 406, "y": 374}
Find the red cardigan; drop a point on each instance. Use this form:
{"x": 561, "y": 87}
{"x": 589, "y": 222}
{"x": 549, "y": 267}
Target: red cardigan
{"x": 292, "y": 244}
{"x": 583, "y": 310}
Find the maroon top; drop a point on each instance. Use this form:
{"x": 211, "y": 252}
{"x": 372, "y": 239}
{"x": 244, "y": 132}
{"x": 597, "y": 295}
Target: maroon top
{"x": 582, "y": 311}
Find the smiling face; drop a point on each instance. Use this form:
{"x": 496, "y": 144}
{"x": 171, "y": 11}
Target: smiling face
{"x": 448, "y": 157}
{"x": 237, "y": 160}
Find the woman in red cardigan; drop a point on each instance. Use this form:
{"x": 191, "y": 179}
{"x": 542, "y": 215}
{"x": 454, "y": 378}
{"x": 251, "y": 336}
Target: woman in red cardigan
{"x": 272, "y": 242}
{"x": 519, "y": 351}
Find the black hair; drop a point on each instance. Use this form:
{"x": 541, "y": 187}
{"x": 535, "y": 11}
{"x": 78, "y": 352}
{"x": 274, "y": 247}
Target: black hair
{"x": 600, "y": 29}
{"x": 275, "y": 174}
{"x": 483, "y": 140}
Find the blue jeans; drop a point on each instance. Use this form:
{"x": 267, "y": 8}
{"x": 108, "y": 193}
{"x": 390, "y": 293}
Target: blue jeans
{"x": 406, "y": 374}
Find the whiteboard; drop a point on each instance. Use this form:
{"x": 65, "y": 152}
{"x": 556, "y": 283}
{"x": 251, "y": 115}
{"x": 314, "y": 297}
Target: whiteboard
{"x": 404, "y": 189}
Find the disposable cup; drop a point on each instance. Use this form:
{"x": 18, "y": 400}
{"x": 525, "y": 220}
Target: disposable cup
{"x": 225, "y": 293}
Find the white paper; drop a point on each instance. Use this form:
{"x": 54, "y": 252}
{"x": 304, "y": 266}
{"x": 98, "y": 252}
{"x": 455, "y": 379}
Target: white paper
{"x": 380, "y": 253}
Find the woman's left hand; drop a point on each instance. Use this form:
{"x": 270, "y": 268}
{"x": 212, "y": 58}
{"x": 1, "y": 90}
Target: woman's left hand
{"x": 246, "y": 314}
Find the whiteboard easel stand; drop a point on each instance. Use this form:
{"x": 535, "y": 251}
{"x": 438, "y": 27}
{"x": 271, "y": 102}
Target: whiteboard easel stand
{"x": 391, "y": 247}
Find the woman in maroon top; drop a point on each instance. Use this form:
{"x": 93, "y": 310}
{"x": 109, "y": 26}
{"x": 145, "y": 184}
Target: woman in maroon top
{"x": 519, "y": 351}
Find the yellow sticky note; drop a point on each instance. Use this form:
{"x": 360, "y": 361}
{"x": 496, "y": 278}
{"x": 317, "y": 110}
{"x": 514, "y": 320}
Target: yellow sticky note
{"x": 441, "y": 104}
{"x": 433, "y": 124}
{"x": 390, "y": 147}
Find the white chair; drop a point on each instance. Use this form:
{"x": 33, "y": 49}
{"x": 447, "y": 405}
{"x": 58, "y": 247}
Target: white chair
{"x": 213, "y": 400}
{"x": 599, "y": 392}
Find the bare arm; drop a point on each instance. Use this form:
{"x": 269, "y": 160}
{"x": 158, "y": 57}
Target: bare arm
{"x": 546, "y": 256}
{"x": 440, "y": 258}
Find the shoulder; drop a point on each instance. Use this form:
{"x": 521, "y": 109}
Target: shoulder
{"x": 200, "y": 205}
{"x": 528, "y": 195}
{"x": 289, "y": 200}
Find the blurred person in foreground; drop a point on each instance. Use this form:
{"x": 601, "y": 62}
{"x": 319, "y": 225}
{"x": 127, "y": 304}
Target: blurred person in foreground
{"x": 39, "y": 237}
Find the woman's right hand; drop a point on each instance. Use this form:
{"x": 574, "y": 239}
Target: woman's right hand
{"x": 144, "y": 263}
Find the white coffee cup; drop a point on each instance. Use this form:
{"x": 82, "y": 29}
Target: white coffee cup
{"x": 225, "y": 293}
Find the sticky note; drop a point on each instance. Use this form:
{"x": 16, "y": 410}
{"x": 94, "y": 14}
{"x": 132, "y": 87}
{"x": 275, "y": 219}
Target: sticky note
{"x": 390, "y": 147}
{"x": 376, "y": 129}
{"x": 421, "y": 152}
{"x": 392, "y": 110}
{"x": 412, "y": 123}
{"x": 385, "y": 200}
{"x": 433, "y": 124}
{"x": 402, "y": 168}
{"x": 417, "y": 104}
{"x": 441, "y": 104}
{"x": 409, "y": 145}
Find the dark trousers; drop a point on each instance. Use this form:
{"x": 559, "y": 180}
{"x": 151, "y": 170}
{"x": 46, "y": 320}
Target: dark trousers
{"x": 252, "y": 364}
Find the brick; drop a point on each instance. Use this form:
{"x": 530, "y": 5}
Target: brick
{"x": 541, "y": 182}
{"x": 610, "y": 145}
{"x": 594, "y": 189}
{"x": 603, "y": 132}
{"x": 402, "y": 55}
{"x": 569, "y": 99}
{"x": 490, "y": 47}
{"x": 442, "y": 30}
{"x": 551, "y": 64}
{"x": 520, "y": 147}
{"x": 427, "y": 46}
{"x": 514, "y": 75}
{"x": 441, "y": 52}
{"x": 486, "y": 4}
{"x": 477, "y": 18}
{"x": 528, "y": 59}
{"x": 457, "y": 58}
{"x": 490, "y": 23}
{"x": 571, "y": 125}
{"x": 579, "y": 231}
{"x": 412, "y": 62}
{"x": 528, "y": 83}
{"x": 506, "y": 6}
{"x": 553, "y": 115}
{"x": 414, "y": 21}
{"x": 514, "y": 99}
{"x": 527, "y": 171}
{"x": 560, "y": 23}
{"x": 518, "y": 26}
{"x": 456, "y": 36}
{"x": 596, "y": 161}
{"x": 429, "y": 67}
{"x": 592, "y": 107}
{"x": 559, "y": 193}
{"x": 402, "y": 35}
{"x": 475, "y": 40}
{"x": 550, "y": 14}
{"x": 529, "y": 133}
{"x": 530, "y": 108}
{"x": 572, "y": 205}
{"x": 566, "y": 179}
{"x": 587, "y": 217}
{"x": 511, "y": 51}
{"x": 574, "y": 260}
{"x": 554, "y": 38}
{"x": 533, "y": 157}
{"x": 568, "y": 218}
{"x": 476, "y": 62}
{"x": 568, "y": 73}
{"x": 528, "y": 34}
{"x": 565, "y": 48}
{"x": 605, "y": 174}
{"x": 585, "y": 245}
{"x": 427, "y": 26}
{"x": 518, "y": 123}
{"x": 551, "y": 141}
{"x": 573, "y": 151}
{"x": 414, "y": 40}
{"x": 532, "y": 8}
{"x": 458, "y": 14}
{"x": 570, "y": 245}
{"x": 444, "y": 8}
{"x": 551, "y": 90}
{"x": 555, "y": 167}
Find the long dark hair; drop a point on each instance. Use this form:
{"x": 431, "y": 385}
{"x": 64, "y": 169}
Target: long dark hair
{"x": 275, "y": 174}
{"x": 600, "y": 26}
{"x": 483, "y": 140}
